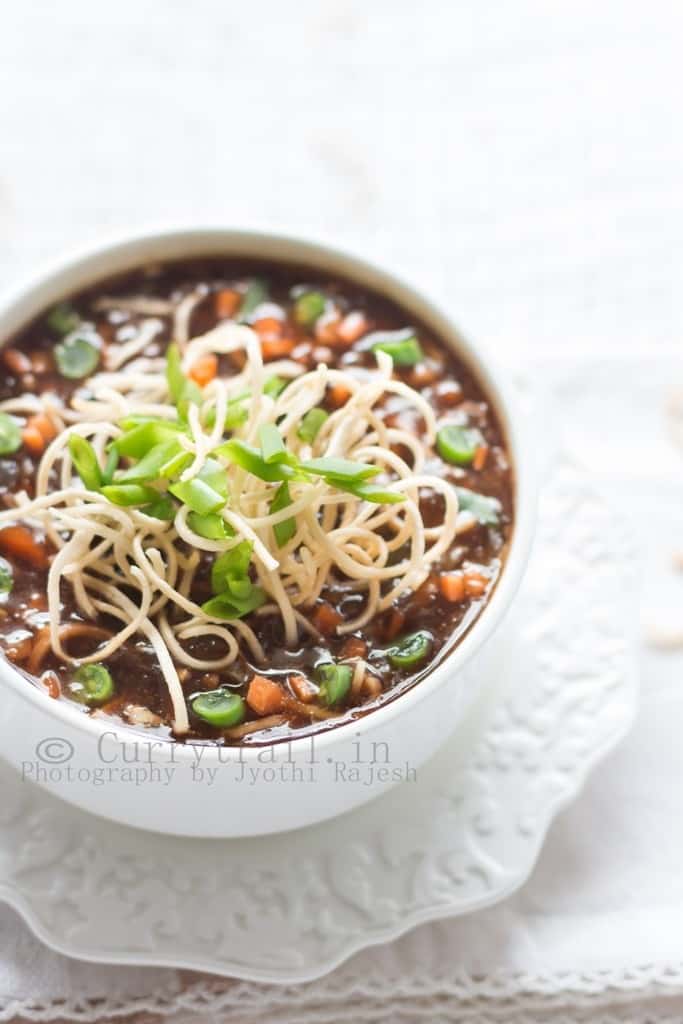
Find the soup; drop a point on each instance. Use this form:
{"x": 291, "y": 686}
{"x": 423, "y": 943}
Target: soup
{"x": 241, "y": 503}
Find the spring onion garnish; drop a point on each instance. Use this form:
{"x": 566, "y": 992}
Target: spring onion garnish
{"x": 85, "y": 460}
{"x": 6, "y": 578}
{"x": 402, "y": 346}
{"x": 211, "y": 526}
{"x": 342, "y": 470}
{"x": 92, "y": 685}
{"x": 161, "y": 461}
{"x": 63, "y": 319}
{"x": 272, "y": 446}
{"x": 311, "y": 425}
{"x": 308, "y": 307}
{"x": 219, "y": 708}
{"x": 335, "y": 682}
{"x": 486, "y": 510}
{"x": 458, "y": 444}
{"x": 256, "y": 293}
{"x": 162, "y": 509}
{"x": 140, "y": 438}
{"x": 10, "y": 435}
{"x": 130, "y": 494}
{"x": 78, "y": 354}
{"x": 286, "y": 528}
{"x": 251, "y": 459}
{"x": 410, "y": 650}
{"x": 235, "y": 594}
{"x": 274, "y": 387}
{"x": 183, "y": 391}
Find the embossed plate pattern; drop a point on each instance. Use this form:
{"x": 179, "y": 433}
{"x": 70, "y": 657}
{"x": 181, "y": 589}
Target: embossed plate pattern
{"x": 465, "y": 834}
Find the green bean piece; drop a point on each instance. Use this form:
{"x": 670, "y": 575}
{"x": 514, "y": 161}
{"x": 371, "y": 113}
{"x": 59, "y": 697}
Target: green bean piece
{"x": 63, "y": 319}
{"x": 92, "y": 685}
{"x": 311, "y": 425}
{"x": 85, "y": 460}
{"x": 334, "y": 681}
{"x": 10, "y": 435}
{"x": 410, "y": 650}
{"x": 402, "y": 346}
{"x": 6, "y": 578}
{"x": 77, "y": 356}
{"x": 308, "y": 308}
{"x": 486, "y": 510}
{"x": 219, "y": 708}
{"x": 458, "y": 444}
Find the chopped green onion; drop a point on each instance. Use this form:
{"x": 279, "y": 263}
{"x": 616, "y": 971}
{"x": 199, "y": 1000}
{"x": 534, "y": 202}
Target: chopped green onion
{"x": 256, "y": 293}
{"x": 10, "y": 435}
{"x": 249, "y": 458}
{"x": 485, "y": 510}
{"x": 93, "y": 684}
{"x": 6, "y": 577}
{"x": 130, "y": 494}
{"x": 161, "y": 509}
{"x": 132, "y": 421}
{"x": 410, "y": 650}
{"x": 110, "y": 465}
{"x": 311, "y": 424}
{"x": 335, "y": 682}
{"x": 176, "y": 464}
{"x": 236, "y": 414}
{"x": 308, "y": 307}
{"x": 76, "y": 356}
{"x": 85, "y": 460}
{"x": 340, "y": 470}
{"x": 219, "y": 708}
{"x": 229, "y": 606}
{"x": 231, "y": 565}
{"x": 137, "y": 441}
{"x": 272, "y": 446}
{"x": 149, "y": 466}
{"x": 198, "y": 495}
{"x": 458, "y": 444}
{"x": 211, "y": 526}
{"x": 63, "y": 319}
{"x": 371, "y": 492}
{"x": 274, "y": 386}
{"x": 402, "y": 346}
{"x": 285, "y": 530}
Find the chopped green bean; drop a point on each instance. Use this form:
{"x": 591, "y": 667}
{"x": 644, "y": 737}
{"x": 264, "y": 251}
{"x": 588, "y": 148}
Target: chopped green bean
{"x": 308, "y": 307}
{"x": 219, "y": 708}
{"x": 10, "y": 435}
{"x": 334, "y": 680}
{"x": 458, "y": 444}
{"x": 92, "y": 685}
{"x": 63, "y": 319}
{"x": 410, "y": 650}
{"x": 486, "y": 510}
{"x": 402, "y": 346}
{"x": 77, "y": 355}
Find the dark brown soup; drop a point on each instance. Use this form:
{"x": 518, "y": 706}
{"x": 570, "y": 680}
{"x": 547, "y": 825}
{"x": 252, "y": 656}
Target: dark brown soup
{"x": 235, "y": 552}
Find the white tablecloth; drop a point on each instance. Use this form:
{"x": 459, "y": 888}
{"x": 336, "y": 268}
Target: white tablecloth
{"x": 522, "y": 161}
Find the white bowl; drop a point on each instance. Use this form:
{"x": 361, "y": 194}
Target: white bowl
{"x": 207, "y": 791}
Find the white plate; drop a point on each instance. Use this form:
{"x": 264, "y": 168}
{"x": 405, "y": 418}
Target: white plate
{"x": 292, "y": 906}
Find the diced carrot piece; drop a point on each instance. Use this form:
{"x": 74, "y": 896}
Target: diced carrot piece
{"x": 276, "y": 348}
{"x": 204, "y": 369}
{"x": 33, "y": 439}
{"x": 264, "y": 696}
{"x": 475, "y": 583}
{"x": 268, "y": 328}
{"x": 44, "y": 425}
{"x": 393, "y": 623}
{"x": 480, "y": 457}
{"x": 353, "y": 647}
{"x": 303, "y": 689}
{"x": 18, "y": 541}
{"x": 452, "y": 586}
{"x": 16, "y": 361}
{"x": 326, "y": 327}
{"x": 338, "y": 395}
{"x": 353, "y": 326}
{"x": 325, "y": 618}
{"x": 226, "y": 303}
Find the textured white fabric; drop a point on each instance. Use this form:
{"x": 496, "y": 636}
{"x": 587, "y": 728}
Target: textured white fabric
{"x": 523, "y": 162}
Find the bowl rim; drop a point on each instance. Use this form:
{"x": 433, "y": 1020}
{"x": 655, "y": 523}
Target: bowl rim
{"x": 125, "y": 252}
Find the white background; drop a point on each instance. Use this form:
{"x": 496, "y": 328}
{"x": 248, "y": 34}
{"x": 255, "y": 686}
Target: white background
{"x": 521, "y": 160}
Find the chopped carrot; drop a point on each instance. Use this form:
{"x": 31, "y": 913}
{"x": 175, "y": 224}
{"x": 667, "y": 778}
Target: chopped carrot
{"x": 204, "y": 369}
{"x": 38, "y": 433}
{"x": 18, "y": 541}
{"x": 452, "y": 586}
{"x": 475, "y": 583}
{"x": 393, "y": 623}
{"x": 33, "y": 439}
{"x": 15, "y": 361}
{"x": 353, "y": 326}
{"x": 353, "y": 647}
{"x": 264, "y": 696}
{"x": 325, "y": 618}
{"x": 326, "y": 327}
{"x": 276, "y": 348}
{"x": 268, "y": 328}
{"x": 302, "y": 688}
{"x": 480, "y": 457}
{"x": 226, "y": 303}
{"x": 338, "y": 395}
